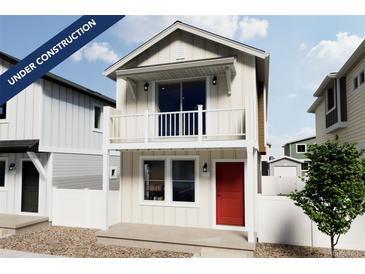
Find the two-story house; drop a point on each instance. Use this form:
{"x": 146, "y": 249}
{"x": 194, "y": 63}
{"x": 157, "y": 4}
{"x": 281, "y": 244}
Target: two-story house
{"x": 189, "y": 123}
{"x": 340, "y": 104}
{"x": 50, "y": 137}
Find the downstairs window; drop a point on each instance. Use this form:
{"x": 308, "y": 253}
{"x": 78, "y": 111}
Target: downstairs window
{"x": 183, "y": 180}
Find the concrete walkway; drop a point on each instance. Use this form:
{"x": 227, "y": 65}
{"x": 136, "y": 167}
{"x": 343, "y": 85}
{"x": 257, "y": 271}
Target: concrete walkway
{"x": 6, "y": 253}
{"x": 202, "y": 242}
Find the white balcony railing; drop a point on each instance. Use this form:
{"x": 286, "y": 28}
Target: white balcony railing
{"x": 200, "y": 125}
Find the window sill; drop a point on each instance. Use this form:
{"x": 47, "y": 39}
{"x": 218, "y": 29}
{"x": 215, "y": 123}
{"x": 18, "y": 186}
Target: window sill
{"x": 169, "y": 204}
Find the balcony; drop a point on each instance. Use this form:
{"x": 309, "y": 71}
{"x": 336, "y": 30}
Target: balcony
{"x": 199, "y": 128}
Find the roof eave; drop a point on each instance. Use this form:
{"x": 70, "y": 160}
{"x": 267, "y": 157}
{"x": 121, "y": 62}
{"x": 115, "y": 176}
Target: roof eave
{"x": 110, "y": 71}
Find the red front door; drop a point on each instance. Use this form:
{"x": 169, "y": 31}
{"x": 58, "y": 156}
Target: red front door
{"x": 229, "y": 194}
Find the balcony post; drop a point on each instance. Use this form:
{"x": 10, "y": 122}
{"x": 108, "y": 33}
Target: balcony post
{"x": 146, "y": 126}
{"x": 200, "y": 122}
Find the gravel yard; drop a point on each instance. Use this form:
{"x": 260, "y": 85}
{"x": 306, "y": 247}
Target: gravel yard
{"x": 79, "y": 243}
{"x": 292, "y": 251}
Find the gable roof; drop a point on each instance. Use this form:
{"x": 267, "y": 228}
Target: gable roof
{"x": 110, "y": 71}
{"x": 358, "y": 53}
{"x": 299, "y": 140}
{"x": 63, "y": 82}
{"x": 286, "y": 158}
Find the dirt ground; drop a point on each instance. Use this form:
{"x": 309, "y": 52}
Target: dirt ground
{"x": 292, "y": 251}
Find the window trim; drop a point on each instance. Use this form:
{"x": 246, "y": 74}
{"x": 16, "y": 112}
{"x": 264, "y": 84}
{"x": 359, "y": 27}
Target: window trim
{"x": 6, "y": 160}
{"x": 334, "y": 101}
{"x": 168, "y": 202}
{"x": 300, "y": 144}
{"x": 98, "y": 130}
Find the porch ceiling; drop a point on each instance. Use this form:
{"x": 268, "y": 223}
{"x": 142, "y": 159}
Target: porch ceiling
{"x": 179, "y": 70}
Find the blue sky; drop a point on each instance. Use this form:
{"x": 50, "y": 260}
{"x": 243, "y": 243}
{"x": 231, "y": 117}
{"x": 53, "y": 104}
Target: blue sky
{"x": 302, "y": 50}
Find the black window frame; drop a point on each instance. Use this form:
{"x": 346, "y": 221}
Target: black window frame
{"x": 3, "y": 112}
{"x": 331, "y": 101}
{"x": 355, "y": 83}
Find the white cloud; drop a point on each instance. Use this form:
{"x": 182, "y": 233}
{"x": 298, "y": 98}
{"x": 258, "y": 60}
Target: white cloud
{"x": 335, "y": 51}
{"x": 328, "y": 56}
{"x": 138, "y": 29}
{"x": 252, "y": 27}
{"x": 278, "y": 140}
{"x": 303, "y": 46}
{"x": 292, "y": 96}
{"x": 94, "y": 52}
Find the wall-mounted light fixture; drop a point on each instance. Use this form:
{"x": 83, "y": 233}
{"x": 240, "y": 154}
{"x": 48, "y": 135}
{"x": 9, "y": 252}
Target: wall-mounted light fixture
{"x": 11, "y": 166}
{"x": 214, "y": 80}
{"x": 146, "y": 85}
{"x": 205, "y": 167}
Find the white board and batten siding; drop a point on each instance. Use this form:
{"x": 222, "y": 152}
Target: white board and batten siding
{"x": 182, "y": 46}
{"x": 22, "y": 112}
{"x": 135, "y": 211}
{"x": 10, "y": 195}
{"x": 68, "y": 121}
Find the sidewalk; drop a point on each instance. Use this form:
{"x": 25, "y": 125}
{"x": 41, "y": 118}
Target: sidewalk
{"x": 6, "y": 253}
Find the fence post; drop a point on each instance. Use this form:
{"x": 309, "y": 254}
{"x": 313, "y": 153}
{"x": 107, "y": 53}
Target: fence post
{"x": 146, "y": 126}
{"x": 200, "y": 122}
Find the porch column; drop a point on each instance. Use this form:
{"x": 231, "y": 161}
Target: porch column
{"x": 250, "y": 195}
{"x": 106, "y": 165}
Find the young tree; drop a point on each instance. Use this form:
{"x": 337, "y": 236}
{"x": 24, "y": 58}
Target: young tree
{"x": 334, "y": 192}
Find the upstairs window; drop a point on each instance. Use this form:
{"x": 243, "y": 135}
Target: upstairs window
{"x": 355, "y": 83}
{"x": 3, "y": 111}
{"x": 362, "y": 77}
{"x": 97, "y": 117}
{"x": 301, "y": 148}
{"x": 330, "y": 99}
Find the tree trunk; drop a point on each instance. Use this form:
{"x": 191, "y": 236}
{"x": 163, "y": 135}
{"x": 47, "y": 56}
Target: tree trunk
{"x": 333, "y": 246}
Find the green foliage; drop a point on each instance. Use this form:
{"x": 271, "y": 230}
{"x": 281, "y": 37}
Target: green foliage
{"x": 334, "y": 193}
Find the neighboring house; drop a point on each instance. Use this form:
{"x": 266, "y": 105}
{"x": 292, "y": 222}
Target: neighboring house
{"x": 50, "y": 137}
{"x": 340, "y": 104}
{"x": 190, "y": 125}
{"x": 297, "y": 149}
{"x": 286, "y": 167}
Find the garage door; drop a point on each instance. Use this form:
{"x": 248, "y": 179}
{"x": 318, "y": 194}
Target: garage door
{"x": 285, "y": 171}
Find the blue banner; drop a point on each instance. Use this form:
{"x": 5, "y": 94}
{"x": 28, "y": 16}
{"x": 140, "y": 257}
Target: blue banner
{"x": 53, "y": 52}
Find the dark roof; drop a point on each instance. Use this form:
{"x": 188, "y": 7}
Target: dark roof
{"x": 12, "y": 146}
{"x": 300, "y": 140}
{"x": 64, "y": 82}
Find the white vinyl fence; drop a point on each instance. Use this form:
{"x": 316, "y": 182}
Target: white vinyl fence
{"x": 84, "y": 208}
{"x": 277, "y": 185}
{"x": 280, "y": 221}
